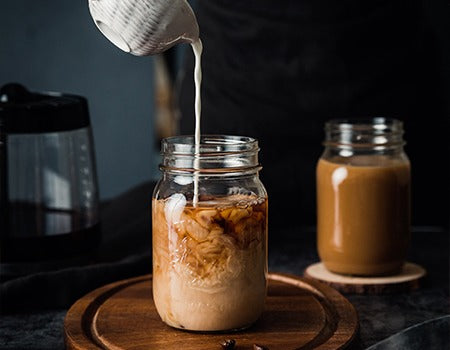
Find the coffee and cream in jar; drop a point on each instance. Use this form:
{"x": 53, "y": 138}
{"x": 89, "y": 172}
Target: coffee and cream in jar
{"x": 209, "y": 217}
{"x": 363, "y": 197}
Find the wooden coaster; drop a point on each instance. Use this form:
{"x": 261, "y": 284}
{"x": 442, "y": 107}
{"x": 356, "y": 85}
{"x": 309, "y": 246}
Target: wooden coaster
{"x": 408, "y": 279}
{"x": 299, "y": 314}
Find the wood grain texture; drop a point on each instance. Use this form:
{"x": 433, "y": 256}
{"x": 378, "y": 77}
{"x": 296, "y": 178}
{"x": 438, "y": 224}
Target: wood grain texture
{"x": 299, "y": 314}
{"x": 407, "y": 280}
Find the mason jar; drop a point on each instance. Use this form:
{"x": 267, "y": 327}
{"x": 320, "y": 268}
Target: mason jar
{"x": 209, "y": 221}
{"x": 363, "y": 197}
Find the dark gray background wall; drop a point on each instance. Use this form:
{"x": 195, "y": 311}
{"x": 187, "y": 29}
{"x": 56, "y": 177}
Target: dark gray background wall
{"x": 53, "y": 45}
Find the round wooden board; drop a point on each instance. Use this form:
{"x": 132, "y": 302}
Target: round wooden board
{"x": 300, "y": 314}
{"x": 408, "y": 279}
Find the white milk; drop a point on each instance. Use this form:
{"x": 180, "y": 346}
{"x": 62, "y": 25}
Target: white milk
{"x": 197, "y": 47}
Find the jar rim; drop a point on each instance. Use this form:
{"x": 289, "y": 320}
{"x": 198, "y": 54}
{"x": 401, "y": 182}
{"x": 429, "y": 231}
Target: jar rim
{"x": 378, "y": 133}
{"x": 210, "y": 145}
{"x": 376, "y": 123}
{"x": 216, "y": 154}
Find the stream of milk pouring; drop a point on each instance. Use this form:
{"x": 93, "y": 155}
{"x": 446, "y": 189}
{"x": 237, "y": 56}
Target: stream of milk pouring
{"x": 197, "y": 47}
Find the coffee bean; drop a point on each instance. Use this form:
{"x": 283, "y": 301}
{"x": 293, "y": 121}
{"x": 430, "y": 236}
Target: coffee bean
{"x": 228, "y": 344}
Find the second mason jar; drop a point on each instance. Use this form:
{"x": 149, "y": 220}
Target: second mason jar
{"x": 363, "y": 197}
{"x": 209, "y": 219}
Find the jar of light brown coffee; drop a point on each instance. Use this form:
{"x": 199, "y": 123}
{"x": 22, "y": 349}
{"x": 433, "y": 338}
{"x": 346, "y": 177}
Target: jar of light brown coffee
{"x": 363, "y": 197}
{"x": 209, "y": 214}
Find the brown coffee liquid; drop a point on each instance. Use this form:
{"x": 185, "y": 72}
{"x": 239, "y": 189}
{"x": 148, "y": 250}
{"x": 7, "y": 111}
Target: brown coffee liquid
{"x": 363, "y": 213}
{"x": 209, "y": 261}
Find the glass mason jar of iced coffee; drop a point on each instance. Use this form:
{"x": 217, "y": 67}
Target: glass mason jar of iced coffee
{"x": 209, "y": 218}
{"x": 363, "y": 197}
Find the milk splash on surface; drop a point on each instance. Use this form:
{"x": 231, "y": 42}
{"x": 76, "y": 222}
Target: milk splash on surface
{"x": 197, "y": 47}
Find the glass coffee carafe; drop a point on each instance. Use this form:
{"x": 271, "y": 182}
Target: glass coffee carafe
{"x": 49, "y": 215}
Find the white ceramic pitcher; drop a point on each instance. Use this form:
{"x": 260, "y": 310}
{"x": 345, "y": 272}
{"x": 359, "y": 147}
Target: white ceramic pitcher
{"x": 145, "y": 27}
